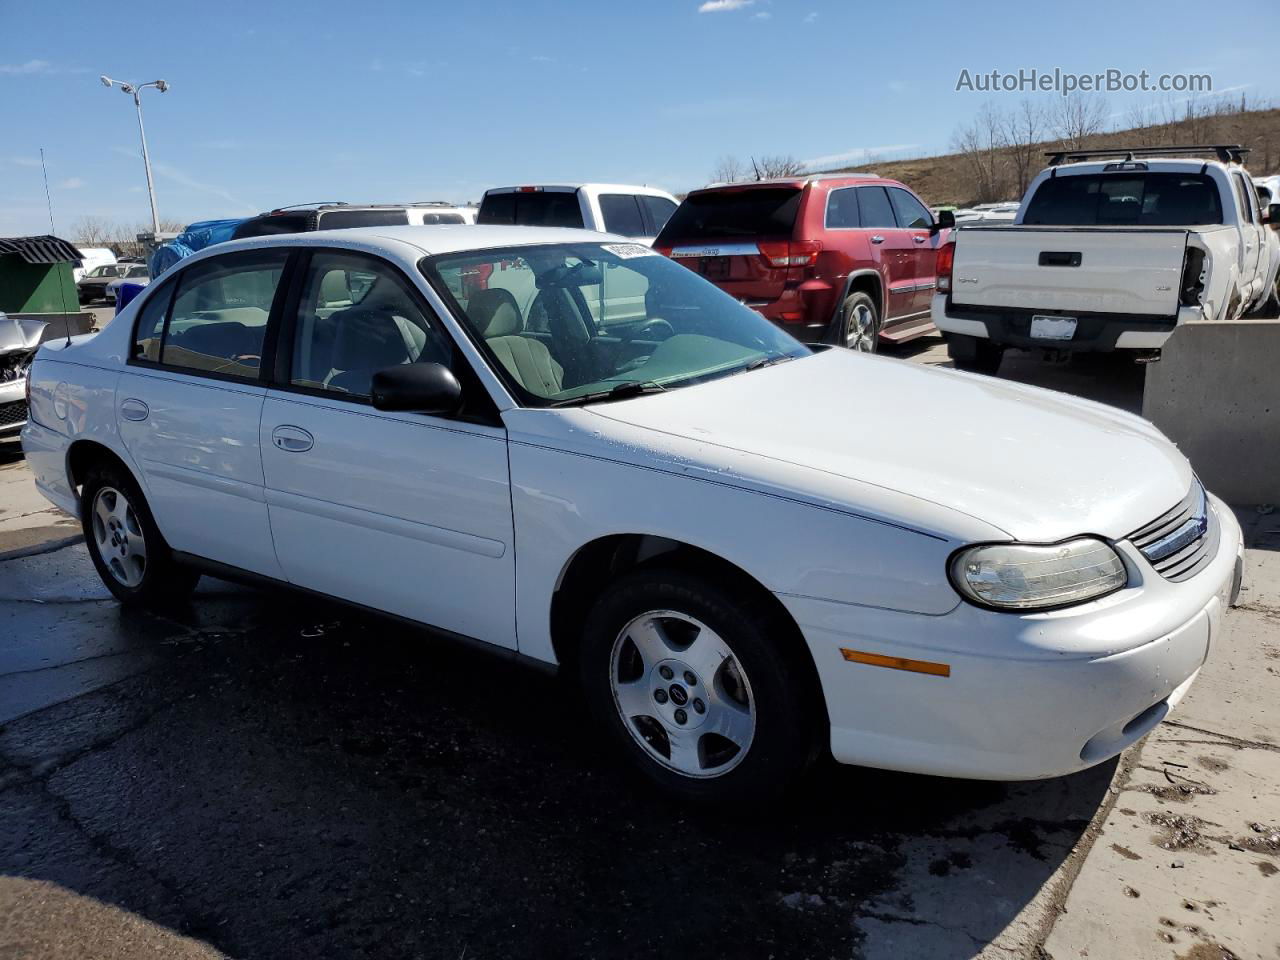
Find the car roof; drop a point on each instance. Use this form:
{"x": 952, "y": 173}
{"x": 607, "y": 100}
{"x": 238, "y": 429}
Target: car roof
{"x": 430, "y": 239}
{"x": 614, "y": 187}
{"x": 799, "y": 181}
{"x": 1153, "y": 165}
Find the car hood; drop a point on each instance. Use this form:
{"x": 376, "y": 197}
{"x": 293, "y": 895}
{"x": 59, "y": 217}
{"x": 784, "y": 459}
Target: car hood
{"x": 1038, "y": 465}
{"x": 20, "y": 335}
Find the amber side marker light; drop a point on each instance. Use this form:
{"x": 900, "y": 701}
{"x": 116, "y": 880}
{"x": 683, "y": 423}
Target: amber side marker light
{"x": 897, "y": 663}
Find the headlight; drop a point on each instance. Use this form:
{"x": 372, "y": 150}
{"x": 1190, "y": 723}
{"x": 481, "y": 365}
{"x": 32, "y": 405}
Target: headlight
{"x": 1017, "y": 576}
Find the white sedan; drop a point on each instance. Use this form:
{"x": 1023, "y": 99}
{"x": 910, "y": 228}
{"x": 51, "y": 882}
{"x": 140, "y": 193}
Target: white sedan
{"x": 748, "y": 551}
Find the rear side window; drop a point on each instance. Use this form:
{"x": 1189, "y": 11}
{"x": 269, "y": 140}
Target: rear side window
{"x": 659, "y": 210}
{"x": 218, "y": 321}
{"x": 911, "y": 212}
{"x": 542, "y": 208}
{"x": 271, "y": 225}
{"x": 753, "y": 212}
{"x": 874, "y": 205}
{"x": 434, "y": 218}
{"x": 338, "y": 219}
{"x": 621, "y": 214}
{"x": 842, "y": 209}
{"x": 1125, "y": 199}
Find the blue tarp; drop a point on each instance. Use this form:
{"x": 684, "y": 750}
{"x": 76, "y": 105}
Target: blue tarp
{"x": 197, "y": 236}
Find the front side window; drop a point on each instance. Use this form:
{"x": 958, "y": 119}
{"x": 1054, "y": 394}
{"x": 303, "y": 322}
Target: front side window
{"x": 875, "y": 207}
{"x": 621, "y": 214}
{"x": 356, "y": 317}
{"x": 911, "y": 212}
{"x": 218, "y": 321}
{"x": 567, "y": 323}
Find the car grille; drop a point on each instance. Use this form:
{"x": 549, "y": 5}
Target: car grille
{"x": 1180, "y": 543}
{"x": 12, "y": 414}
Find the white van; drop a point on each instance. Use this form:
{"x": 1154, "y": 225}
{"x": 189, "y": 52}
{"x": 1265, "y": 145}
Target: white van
{"x": 91, "y": 257}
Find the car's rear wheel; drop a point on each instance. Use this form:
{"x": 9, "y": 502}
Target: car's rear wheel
{"x": 124, "y": 543}
{"x": 699, "y": 686}
{"x": 974, "y": 354}
{"x": 859, "y": 326}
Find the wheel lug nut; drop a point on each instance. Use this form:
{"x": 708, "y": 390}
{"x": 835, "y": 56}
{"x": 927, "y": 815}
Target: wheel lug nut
{"x": 660, "y": 696}
{"x": 690, "y": 679}
{"x": 699, "y": 706}
{"x": 665, "y": 671}
{"x": 681, "y": 716}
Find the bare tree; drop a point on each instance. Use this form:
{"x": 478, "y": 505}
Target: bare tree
{"x": 1077, "y": 118}
{"x": 1021, "y": 132}
{"x": 92, "y": 231}
{"x": 980, "y": 144}
{"x": 1143, "y": 125}
{"x": 729, "y": 169}
{"x": 778, "y": 165}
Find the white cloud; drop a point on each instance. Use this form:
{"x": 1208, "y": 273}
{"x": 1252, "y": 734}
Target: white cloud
{"x": 71, "y": 183}
{"x": 31, "y": 66}
{"x": 178, "y": 177}
{"x": 762, "y": 15}
{"x": 543, "y": 59}
{"x": 857, "y": 155}
{"x": 811, "y": 16}
{"x": 26, "y": 161}
{"x": 720, "y": 6}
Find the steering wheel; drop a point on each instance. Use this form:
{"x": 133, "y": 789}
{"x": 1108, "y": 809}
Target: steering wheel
{"x": 650, "y": 330}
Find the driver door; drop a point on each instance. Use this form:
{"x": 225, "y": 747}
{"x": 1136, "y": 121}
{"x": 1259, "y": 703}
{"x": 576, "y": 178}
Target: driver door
{"x": 402, "y": 512}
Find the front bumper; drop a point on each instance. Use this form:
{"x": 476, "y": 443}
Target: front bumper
{"x": 1094, "y": 332}
{"x": 1027, "y": 696}
{"x": 13, "y": 408}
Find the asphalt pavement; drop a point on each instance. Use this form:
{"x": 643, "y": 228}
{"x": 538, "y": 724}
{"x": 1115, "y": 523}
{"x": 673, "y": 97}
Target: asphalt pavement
{"x": 254, "y": 775}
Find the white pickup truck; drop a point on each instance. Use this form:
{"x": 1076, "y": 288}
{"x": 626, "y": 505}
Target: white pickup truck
{"x": 1108, "y": 255}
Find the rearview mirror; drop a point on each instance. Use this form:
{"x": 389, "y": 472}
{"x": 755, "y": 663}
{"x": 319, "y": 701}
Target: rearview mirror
{"x": 418, "y": 388}
{"x": 946, "y": 221}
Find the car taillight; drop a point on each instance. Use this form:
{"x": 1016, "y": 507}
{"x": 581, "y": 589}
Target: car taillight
{"x": 946, "y": 262}
{"x": 783, "y": 253}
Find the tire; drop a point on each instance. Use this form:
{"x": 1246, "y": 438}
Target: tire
{"x": 127, "y": 549}
{"x": 974, "y": 354}
{"x": 858, "y": 324}
{"x": 731, "y": 665}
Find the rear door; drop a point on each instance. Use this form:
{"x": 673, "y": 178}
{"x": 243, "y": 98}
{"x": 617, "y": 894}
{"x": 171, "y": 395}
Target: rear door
{"x": 915, "y": 218}
{"x": 189, "y": 402}
{"x": 895, "y": 249}
{"x": 719, "y": 234}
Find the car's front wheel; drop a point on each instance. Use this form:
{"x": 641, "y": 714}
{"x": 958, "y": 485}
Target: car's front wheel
{"x": 700, "y": 685}
{"x": 126, "y": 547}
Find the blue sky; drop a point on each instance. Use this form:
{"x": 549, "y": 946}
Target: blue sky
{"x": 277, "y": 103}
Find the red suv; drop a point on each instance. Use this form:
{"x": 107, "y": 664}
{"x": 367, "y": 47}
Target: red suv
{"x": 846, "y": 259}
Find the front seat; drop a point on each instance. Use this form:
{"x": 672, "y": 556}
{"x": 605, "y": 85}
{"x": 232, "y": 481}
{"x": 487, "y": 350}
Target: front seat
{"x": 365, "y": 340}
{"x": 495, "y": 315}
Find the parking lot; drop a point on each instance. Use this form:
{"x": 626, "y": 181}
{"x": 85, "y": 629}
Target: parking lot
{"x": 276, "y": 777}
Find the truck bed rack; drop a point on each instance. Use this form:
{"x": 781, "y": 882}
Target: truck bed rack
{"x": 1226, "y": 152}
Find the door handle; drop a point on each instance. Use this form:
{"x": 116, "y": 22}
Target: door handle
{"x": 919, "y": 239}
{"x": 134, "y": 409}
{"x": 292, "y": 439}
{"x": 877, "y": 239}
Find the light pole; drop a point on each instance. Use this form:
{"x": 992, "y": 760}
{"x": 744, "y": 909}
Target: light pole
{"x": 136, "y": 89}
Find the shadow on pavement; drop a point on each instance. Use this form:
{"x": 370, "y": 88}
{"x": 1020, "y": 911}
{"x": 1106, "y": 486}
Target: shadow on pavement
{"x": 285, "y": 778}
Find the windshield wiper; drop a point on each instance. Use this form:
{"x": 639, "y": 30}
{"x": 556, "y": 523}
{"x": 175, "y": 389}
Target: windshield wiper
{"x": 767, "y": 360}
{"x": 623, "y": 391}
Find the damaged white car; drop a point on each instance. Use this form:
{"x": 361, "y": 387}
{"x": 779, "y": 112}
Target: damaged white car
{"x": 19, "y": 340}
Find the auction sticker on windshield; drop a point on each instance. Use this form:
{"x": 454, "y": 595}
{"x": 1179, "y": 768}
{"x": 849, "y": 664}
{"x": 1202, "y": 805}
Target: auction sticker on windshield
{"x": 629, "y": 251}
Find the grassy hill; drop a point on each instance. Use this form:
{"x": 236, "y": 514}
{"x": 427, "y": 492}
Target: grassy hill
{"x": 947, "y": 180}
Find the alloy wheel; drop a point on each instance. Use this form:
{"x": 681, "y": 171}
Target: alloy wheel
{"x": 860, "y": 330}
{"x": 682, "y": 694}
{"x": 118, "y": 536}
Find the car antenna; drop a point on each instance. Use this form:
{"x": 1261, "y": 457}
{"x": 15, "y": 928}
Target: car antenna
{"x": 755, "y": 168}
{"x": 48, "y": 199}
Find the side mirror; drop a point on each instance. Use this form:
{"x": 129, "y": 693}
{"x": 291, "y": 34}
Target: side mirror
{"x": 1272, "y": 214}
{"x": 417, "y": 387}
{"x": 946, "y": 221}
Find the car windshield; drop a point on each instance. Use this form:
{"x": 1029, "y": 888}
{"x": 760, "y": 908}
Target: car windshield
{"x": 109, "y": 270}
{"x": 586, "y": 322}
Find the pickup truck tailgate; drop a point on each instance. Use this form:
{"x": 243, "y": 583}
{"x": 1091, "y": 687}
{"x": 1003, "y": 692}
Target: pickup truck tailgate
{"x": 1087, "y": 270}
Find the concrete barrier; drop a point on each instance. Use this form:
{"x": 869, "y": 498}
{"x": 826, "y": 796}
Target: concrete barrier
{"x": 1216, "y": 393}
